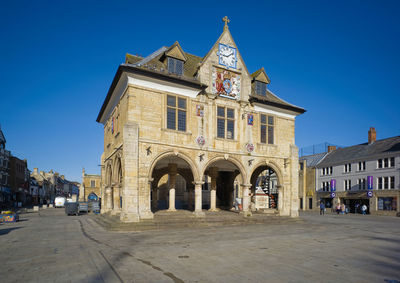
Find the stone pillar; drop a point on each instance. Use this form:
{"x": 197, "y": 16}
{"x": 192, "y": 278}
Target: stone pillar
{"x": 145, "y": 198}
{"x": 198, "y": 212}
{"x": 108, "y": 199}
{"x": 190, "y": 197}
{"x": 246, "y": 200}
{"x": 130, "y": 190}
{"x": 280, "y": 198}
{"x": 172, "y": 171}
{"x": 213, "y": 173}
{"x": 293, "y": 189}
{"x": 154, "y": 194}
{"x": 116, "y": 201}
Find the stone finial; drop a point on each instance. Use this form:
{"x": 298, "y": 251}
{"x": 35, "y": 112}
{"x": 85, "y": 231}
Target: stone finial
{"x": 226, "y": 20}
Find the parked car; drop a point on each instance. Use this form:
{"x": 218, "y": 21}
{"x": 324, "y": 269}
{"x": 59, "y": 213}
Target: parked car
{"x": 59, "y": 201}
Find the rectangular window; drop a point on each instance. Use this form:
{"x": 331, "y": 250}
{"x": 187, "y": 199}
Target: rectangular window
{"x": 175, "y": 66}
{"x": 263, "y": 128}
{"x": 387, "y": 203}
{"x": 347, "y": 168}
{"x": 380, "y": 183}
{"x": 392, "y": 162}
{"x": 176, "y": 113}
{"x": 380, "y": 163}
{"x": 261, "y": 88}
{"x": 391, "y": 186}
{"x": 386, "y": 183}
{"x": 225, "y": 123}
{"x": 386, "y": 163}
{"x": 325, "y": 186}
{"x": 92, "y": 183}
{"x": 361, "y": 166}
{"x": 270, "y": 130}
{"x": 347, "y": 185}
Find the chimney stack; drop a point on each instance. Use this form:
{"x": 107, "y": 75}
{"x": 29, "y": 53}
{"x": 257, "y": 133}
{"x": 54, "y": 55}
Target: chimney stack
{"x": 35, "y": 170}
{"x": 371, "y": 135}
{"x": 331, "y": 148}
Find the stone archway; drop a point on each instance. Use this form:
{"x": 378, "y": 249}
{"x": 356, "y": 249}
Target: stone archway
{"x": 117, "y": 185}
{"x": 108, "y": 188}
{"x": 172, "y": 177}
{"x": 221, "y": 174}
{"x": 265, "y": 188}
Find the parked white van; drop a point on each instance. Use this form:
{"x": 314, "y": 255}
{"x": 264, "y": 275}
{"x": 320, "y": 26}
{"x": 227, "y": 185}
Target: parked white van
{"x": 59, "y": 202}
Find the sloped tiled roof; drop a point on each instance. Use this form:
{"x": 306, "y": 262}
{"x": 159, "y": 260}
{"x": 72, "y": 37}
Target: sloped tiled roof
{"x": 313, "y": 160}
{"x": 274, "y": 100}
{"x": 365, "y": 151}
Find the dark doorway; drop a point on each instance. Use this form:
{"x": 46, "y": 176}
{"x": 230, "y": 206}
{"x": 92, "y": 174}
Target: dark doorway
{"x": 310, "y": 203}
{"x": 225, "y": 189}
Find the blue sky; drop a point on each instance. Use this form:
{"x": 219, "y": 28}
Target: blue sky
{"x": 337, "y": 59}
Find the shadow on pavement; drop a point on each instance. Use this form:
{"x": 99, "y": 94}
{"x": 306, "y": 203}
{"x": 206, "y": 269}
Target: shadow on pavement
{"x": 5, "y": 231}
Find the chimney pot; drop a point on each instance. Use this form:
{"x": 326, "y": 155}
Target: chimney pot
{"x": 331, "y": 148}
{"x": 371, "y": 135}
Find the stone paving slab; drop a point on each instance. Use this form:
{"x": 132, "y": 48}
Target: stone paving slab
{"x": 49, "y": 246}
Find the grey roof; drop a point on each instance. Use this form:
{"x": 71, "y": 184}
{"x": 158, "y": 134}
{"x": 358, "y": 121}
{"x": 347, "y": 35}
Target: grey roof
{"x": 365, "y": 151}
{"x": 313, "y": 160}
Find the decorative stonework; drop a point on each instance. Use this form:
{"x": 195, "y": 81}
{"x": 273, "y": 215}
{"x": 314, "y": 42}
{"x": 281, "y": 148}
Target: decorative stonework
{"x": 226, "y": 83}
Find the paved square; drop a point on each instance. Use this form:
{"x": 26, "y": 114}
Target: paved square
{"x": 49, "y": 246}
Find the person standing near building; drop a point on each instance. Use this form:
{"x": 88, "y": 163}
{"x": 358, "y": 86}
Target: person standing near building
{"x": 364, "y": 209}
{"x": 338, "y": 209}
{"x": 322, "y": 208}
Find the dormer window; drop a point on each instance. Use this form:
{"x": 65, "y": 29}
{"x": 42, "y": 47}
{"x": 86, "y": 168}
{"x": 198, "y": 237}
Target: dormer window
{"x": 261, "y": 88}
{"x": 175, "y": 66}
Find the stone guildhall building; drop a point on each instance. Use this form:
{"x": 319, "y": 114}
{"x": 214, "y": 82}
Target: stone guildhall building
{"x": 196, "y": 133}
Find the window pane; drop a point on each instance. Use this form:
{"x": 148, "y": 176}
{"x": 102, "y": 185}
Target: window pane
{"x": 182, "y": 103}
{"x": 221, "y": 112}
{"x": 171, "y": 65}
{"x": 264, "y": 134}
{"x": 263, "y": 119}
{"x": 230, "y": 134}
{"x": 178, "y": 67}
{"x": 221, "y": 128}
{"x": 181, "y": 120}
{"x": 171, "y": 100}
{"x": 270, "y": 120}
{"x": 392, "y": 162}
{"x": 271, "y": 135}
{"x": 171, "y": 118}
{"x": 386, "y": 162}
{"x": 230, "y": 113}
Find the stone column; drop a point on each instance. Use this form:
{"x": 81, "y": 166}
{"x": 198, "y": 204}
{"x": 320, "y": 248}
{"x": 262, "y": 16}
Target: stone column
{"x": 280, "y": 198}
{"x": 116, "y": 200}
{"x": 130, "y": 190}
{"x": 213, "y": 173}
{"x": 197, "y": 199}
{"x": 108, "y": 199}
{"x": 154, "y": 201}
{"x": 246, "y": 200}
{"x": 145, "y": 198}
{"x": 190, "y": 198}
{"x": 172, "y": 171}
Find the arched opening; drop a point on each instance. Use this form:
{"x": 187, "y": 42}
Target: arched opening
{"x": 92, "y": 197}
{"x": 117, "y": 186}
{"x": 172, "y": 184}
{"x": 264, "y": 188}
{"x": 222, "y": 180}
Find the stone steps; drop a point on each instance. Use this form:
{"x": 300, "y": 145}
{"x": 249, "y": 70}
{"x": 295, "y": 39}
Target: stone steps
{"x": 164, "y": 220}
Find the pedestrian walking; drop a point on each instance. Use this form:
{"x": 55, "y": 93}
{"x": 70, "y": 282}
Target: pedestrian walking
{"x": 342, "y": 208}
{"x": 322, "y": 209}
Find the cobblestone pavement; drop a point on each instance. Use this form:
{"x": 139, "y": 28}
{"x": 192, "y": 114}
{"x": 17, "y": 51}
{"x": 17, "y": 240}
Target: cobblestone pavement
{"x": 51, "y": 247}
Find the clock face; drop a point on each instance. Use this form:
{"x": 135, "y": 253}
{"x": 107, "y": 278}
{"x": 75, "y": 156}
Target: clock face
{"x": 227, "y": 56}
